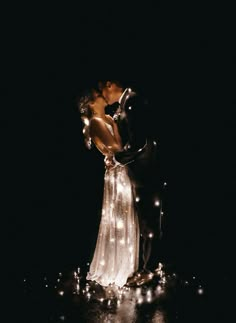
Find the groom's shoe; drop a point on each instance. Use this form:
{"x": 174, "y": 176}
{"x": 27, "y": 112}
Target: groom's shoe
{"x": 132, "y": 281}
{"x": 144, "y": 278}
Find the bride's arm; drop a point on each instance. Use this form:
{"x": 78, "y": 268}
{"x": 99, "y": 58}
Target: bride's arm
{"x": 102, "y": 138}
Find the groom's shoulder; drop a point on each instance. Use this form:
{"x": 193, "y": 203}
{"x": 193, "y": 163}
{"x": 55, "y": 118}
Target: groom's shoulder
{"x": 136, "y": 99}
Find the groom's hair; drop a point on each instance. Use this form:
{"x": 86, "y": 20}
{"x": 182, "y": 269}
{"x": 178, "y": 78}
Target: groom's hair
{"x": 119, "y": 83}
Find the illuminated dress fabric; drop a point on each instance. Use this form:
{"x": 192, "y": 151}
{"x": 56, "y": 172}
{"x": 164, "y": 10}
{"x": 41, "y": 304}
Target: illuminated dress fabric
{"x": 117, "y": 249}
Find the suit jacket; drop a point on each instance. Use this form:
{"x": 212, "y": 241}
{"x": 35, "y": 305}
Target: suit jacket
{"x": 139, "y": 144}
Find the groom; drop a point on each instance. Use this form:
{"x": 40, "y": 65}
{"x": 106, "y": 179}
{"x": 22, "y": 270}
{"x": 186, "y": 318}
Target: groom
{"x": 139, "y": 153}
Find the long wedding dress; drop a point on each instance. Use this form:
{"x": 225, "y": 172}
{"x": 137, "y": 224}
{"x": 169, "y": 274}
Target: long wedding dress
{"x": 116, "y": 253}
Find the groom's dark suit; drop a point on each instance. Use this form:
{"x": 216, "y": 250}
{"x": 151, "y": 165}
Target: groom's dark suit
{"x": 133, "y": 118}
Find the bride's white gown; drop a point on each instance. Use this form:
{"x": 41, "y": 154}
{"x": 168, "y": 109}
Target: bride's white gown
{"x": 117, "y": 249}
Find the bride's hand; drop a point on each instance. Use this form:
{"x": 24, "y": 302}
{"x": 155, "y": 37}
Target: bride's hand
{"x": 109, "y": 162}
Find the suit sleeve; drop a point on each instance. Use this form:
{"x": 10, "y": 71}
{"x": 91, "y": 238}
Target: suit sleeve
{"x": 136, "y": 112}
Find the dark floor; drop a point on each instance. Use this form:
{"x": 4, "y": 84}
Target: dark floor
{"x": 67, "y": 297}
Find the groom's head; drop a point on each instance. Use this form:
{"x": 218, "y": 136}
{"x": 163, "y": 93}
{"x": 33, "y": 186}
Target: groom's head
{"x": 111, "y": 90}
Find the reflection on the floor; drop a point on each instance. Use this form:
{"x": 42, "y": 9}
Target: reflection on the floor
{"x": 68, "y": 297}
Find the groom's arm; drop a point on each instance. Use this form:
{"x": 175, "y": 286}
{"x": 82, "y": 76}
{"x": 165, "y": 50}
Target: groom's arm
{"x": 126, "y": 156}
{"x": 136, "y": 112}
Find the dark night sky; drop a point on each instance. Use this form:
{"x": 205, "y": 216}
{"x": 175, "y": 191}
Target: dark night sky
{"x": 53, "y": 185}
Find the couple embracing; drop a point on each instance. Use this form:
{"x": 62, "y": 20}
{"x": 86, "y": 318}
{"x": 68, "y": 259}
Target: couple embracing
{"x": 117, "y": 121}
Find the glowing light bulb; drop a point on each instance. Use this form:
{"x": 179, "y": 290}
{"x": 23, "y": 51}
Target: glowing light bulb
{"x": 86, "y": 121}
{"x": 149, "y": 293}
{"x": 120, "y": 224}
{"x": 200, "y": 291}
{"x": 140, "y": 300}
{"x": 150, "y": 235}
{"x": 157, "y": 203}
{"x": 88, "y": 295}
{"x": 120, "y": 187}
{"x": 159, "y": 289}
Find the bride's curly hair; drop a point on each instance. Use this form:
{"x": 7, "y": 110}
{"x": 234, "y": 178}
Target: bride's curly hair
{"x": 86, "y": 114}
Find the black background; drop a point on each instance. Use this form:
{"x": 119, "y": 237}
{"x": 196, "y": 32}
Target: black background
{"x": 181, "y": 58}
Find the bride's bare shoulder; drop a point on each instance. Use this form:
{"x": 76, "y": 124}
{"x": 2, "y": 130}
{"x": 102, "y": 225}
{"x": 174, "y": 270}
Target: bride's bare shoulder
{"x": 96, "y": 120}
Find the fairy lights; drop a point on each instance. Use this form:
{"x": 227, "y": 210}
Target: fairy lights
{"x": 120, "y": 224}
{"x": 150, "y": 235}
{"x": 157, "y": 203}
{"x": 115, "y": 297}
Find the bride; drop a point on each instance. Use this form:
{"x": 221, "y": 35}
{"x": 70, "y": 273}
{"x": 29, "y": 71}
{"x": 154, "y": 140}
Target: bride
{"x": 116, "y": 253}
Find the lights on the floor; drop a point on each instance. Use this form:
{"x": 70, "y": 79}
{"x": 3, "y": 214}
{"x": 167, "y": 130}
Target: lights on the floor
{"x": 158, "y": 289}
{"x": 159, "y": 270}
{"x": 149, "y": 295}
{"x": 62, "y": 318}
{"x": 114, "y": 296}
{"x": 140, "y": 300}
{"x": 200, "y": 290}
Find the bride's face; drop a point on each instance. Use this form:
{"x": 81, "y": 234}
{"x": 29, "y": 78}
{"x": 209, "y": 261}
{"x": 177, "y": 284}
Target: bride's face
{"x": 98, "y": 101}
